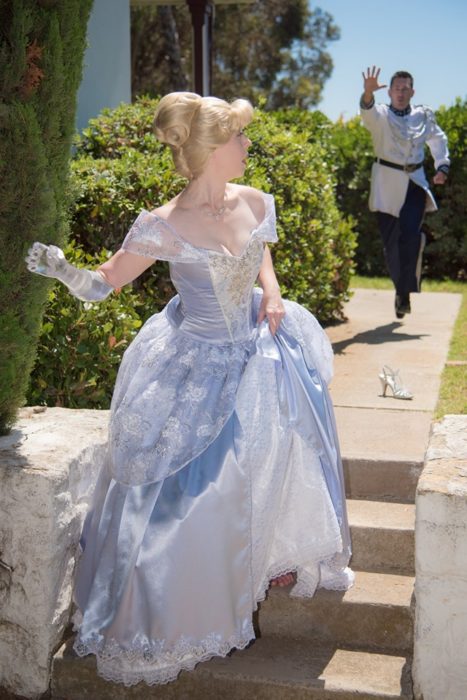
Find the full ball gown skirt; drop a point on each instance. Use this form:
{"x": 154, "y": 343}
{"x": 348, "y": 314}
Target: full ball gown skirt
{"x": 222, "y": 469}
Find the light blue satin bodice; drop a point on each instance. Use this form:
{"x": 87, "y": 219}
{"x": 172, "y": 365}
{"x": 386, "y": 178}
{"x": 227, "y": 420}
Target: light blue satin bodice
{"x": 215, "y": 289}
{"x": 214, "y": 302}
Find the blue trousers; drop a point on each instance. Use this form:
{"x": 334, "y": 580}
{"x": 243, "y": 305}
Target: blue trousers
{"x": 403, "y": 241}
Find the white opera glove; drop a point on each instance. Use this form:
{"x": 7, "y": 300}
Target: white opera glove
{"x": 49, "y": 260}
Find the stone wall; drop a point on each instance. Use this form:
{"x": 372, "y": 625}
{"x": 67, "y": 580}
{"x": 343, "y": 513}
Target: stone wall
{"x": 48, "y": 467}
{"x": 440, "y": 654}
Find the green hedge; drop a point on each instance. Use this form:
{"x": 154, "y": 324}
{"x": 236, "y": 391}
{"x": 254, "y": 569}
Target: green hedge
{"x": 41, "y": 49}
{"x": 349, "y": 155}
{"x": 446, "y": 254}
{"x": 120, "y": 168}
{"x": 352, "y": 155}
{"x": 314, "y": 257}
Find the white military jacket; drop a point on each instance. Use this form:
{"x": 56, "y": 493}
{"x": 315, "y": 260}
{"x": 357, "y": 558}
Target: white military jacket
{"x": 401, "y": 139}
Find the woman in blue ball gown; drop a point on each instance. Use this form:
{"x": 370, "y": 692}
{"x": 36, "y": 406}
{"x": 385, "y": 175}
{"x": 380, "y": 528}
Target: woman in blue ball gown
{"x": 223, "y": 473}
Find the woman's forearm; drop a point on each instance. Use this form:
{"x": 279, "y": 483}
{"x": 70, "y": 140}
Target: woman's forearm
{"x": 267, "y": 276}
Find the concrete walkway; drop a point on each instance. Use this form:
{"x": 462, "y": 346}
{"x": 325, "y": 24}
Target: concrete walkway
{"x": 371, "y": 427}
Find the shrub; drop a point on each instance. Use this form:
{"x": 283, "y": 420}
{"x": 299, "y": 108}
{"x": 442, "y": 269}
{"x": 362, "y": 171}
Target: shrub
{"x": 116, "y": 130}
{"x": 118, "y": 170}
{"x": 349, "y": 155}
{"x": 446, "y": 254}
{"x": 114, "y": 177}
{"x": 314, "y": 257}
{"x": 352, "y": 155}
{"x": 86, "y": 341}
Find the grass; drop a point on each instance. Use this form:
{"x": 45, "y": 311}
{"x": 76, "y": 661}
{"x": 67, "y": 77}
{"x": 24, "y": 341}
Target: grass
{"x": 453, "y": 389}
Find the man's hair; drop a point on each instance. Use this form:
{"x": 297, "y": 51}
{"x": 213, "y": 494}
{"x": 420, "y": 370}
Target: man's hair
{"x": 402, "y": 74}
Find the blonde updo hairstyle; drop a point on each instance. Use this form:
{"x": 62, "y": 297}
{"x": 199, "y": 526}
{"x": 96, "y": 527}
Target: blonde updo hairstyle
{"x": 195, "y": 126}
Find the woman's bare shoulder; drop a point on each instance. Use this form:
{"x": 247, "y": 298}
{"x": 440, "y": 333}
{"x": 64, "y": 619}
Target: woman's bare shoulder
{"x": 247, "y": 192}
{"x": 165, "y": 210}
{"x": 254, "y": 198}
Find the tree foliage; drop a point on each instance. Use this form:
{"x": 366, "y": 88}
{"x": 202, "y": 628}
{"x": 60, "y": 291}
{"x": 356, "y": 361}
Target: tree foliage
{"x": 274, "y": 50}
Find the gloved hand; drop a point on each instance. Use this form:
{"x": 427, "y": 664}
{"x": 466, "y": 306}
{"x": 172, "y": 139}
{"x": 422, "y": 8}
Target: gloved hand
{"x": 49, "y": 260}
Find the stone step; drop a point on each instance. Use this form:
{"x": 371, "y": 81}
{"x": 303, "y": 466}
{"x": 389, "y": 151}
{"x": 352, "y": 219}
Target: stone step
{"x": 383, "y": 536}
{"x": 375, "y": 613}
{"x": 270, "y": 669}
{"x": 381, "y": 479}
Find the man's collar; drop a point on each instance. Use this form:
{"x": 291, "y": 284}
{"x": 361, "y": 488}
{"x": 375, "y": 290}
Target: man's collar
{"x": 401, "y": 112}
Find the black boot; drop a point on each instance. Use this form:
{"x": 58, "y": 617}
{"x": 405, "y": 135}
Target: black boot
{"x": 402, "y": 305}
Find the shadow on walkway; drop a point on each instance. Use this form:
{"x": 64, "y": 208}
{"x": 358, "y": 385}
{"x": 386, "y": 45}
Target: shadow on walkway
{"x": 377, "y": 336}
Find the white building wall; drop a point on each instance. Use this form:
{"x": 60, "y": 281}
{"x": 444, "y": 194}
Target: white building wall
{"x": 107, "y": 61}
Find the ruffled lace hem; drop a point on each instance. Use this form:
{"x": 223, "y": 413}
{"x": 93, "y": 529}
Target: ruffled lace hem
{"x": 147, "y": 661}
{"x": 335, "y": 575}
{"x": 337, "y": 581}
{"x": 309, "y": 578}
{"x": 304, "y": 587}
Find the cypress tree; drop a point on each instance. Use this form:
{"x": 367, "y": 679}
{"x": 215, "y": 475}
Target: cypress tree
{"x": 41, "y": 52}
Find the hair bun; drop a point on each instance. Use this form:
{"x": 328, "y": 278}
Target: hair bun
{"x": 175, "y": 135}
{"x": 195, "y": 126}
{"x": 174, "y": 115}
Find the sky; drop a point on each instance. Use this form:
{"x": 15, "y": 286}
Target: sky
{"x": 428, "y": 38}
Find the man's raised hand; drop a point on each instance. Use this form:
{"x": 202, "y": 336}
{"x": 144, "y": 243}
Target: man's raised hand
{"x": 370, "y": 81}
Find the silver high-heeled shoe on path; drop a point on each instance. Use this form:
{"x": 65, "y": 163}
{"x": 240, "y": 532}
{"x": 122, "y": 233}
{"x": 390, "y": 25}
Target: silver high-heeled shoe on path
{"x": 390, "y": 378}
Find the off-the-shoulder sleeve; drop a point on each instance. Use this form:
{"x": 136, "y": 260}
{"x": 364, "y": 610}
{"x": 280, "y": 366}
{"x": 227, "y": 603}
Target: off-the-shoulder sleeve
{"x": 267, "y": 228}
{"x": 152, "y": 237}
